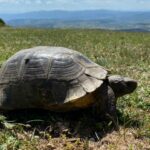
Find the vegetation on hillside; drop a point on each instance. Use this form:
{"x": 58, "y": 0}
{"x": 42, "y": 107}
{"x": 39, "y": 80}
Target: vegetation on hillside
{"x": 122, "y": 53}
{"x": 2, "y": 23}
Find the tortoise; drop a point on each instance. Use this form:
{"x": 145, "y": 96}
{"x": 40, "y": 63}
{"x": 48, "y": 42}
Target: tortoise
{"x": 59, "y": 79}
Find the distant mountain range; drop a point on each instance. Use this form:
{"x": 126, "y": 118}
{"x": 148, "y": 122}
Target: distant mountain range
{"x": 105, "y": 19}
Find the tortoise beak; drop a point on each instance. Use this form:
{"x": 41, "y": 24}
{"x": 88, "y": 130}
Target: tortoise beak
{"x": 131, "y": 84}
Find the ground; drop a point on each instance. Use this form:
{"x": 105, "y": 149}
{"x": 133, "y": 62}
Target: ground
{"x": 122, "y": 53}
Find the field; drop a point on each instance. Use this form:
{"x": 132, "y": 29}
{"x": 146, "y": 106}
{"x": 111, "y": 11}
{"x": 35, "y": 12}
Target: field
{"x": 122, "y": 53}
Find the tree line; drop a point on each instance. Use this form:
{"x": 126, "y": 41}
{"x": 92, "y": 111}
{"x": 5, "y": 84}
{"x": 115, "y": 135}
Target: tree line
{"x": 2, "y": 23}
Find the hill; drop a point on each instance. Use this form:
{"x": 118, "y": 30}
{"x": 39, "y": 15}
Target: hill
{"x": 118, "y": 20}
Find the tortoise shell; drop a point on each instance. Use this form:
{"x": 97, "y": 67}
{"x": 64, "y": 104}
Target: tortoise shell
{"x": 54, "y": 78}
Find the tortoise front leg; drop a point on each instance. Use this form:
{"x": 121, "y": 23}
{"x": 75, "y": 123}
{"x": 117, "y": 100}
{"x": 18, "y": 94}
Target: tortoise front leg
{"x": 106, "y": 103}
{"x": 111, "y": 112}
{"x": 111, "y": 104}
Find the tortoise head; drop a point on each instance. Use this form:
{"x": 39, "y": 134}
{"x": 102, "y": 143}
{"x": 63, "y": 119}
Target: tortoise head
{"x": 122, "y": 85}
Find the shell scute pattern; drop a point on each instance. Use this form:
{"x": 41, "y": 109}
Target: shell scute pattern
{"x": 56, "y": 75}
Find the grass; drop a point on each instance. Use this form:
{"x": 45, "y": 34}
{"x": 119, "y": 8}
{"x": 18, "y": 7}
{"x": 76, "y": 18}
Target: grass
{"x": 122, "y": 53}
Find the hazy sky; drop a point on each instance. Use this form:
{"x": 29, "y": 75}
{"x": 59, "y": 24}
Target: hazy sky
{"x": 17, "y": 6}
